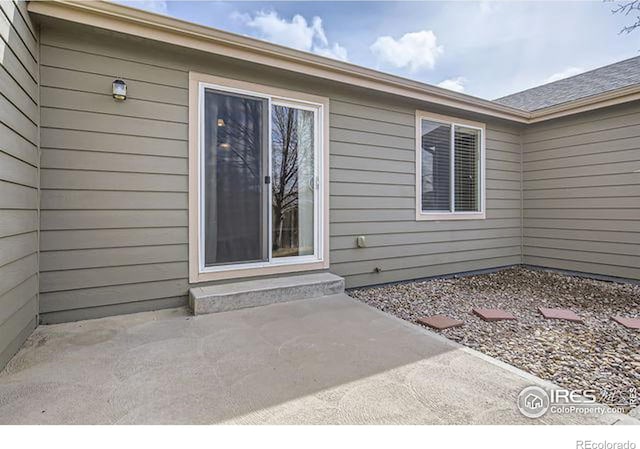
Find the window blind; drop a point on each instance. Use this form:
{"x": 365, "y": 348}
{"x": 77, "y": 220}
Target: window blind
{"x": 466, "y": 169}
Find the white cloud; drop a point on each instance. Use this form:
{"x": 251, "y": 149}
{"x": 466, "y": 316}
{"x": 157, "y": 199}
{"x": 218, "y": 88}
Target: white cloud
{"x": 336, "y": 51}
{"x": 415, "y": 51}
{"x": 566, "y": 73}
{"x": 455, "y": 84}
{"x": 297, "y": 33}
{"x": 157, "y": 6}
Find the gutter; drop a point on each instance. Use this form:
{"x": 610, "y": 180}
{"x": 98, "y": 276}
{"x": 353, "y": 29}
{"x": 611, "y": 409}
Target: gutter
{"x": 123, "y": 19}
{"x": 602, "y": 100}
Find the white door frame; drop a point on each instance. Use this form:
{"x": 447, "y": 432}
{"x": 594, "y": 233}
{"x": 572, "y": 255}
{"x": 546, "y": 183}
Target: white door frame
{"x": 319, "y": 106}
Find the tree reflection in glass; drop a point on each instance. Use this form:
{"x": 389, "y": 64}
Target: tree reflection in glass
{"x": 292, "y": 146}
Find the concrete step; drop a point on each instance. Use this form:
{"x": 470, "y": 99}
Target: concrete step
{"x": 238, "y": 295}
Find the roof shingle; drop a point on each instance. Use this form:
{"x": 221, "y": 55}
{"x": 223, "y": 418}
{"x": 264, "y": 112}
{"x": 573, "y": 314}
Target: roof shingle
{"x": 603, "y": 79}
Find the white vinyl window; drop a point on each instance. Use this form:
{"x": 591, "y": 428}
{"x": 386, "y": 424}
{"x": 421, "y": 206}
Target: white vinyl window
{"x": 450, "y": 168}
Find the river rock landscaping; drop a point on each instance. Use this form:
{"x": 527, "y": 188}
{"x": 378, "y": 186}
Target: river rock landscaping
{"x": 598, "y": 354}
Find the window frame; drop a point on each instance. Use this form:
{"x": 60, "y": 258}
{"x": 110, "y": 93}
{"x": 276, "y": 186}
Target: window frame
{"x": 198, "y": 272}
{"x": 451, "y": 214}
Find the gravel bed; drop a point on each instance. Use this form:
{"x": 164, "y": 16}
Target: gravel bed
{"x": 598, "y": 355}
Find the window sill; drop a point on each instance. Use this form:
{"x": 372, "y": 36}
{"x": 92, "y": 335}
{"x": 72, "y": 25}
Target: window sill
{"x": 445, "y": 216}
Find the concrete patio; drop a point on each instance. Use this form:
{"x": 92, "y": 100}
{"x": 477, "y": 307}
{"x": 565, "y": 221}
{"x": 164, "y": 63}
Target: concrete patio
{"x": 328, "y": 360}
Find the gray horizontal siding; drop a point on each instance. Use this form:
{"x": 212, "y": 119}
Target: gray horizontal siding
{"x": 140, "y": 304}
{"x": 114, "y": 185}
{"x": 19, "y": 178}
{"x": 373, "y": 194}
{"x": 114, "y": 180}
{"x": 582, "y": 193}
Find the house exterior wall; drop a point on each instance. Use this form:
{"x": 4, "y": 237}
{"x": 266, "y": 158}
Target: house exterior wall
{"x": 582, "y": 192}
{"x": 114, "y": 179}
{"x": 18, "y": 177}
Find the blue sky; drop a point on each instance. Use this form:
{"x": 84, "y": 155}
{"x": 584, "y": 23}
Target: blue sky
{"x": 483, "y": 48}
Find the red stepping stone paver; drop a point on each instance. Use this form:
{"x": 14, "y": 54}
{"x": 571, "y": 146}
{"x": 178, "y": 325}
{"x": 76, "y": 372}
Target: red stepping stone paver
{"x": 559, "y": 314}
{"x": 439, "y": 321}
{"x": 494, "y": 314}
{"x": 631, "y": 323}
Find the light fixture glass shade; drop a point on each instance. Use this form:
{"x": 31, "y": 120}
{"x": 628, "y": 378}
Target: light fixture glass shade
{"x": 119, "y": 90}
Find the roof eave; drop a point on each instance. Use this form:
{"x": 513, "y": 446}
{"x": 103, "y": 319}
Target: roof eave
{"x": 603, "y": 100}
{"x": 123, "y": 19}
{"x": 161, "y": 28}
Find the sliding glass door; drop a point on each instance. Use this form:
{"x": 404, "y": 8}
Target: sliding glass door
{"x": 259, "y": 180}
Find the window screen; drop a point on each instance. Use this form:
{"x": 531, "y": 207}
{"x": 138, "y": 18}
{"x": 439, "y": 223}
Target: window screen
{"x": 235, "y": 128}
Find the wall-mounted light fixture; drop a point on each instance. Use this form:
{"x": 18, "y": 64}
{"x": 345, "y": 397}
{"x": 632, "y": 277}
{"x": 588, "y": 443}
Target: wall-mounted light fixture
{"x": 119, "y": 90}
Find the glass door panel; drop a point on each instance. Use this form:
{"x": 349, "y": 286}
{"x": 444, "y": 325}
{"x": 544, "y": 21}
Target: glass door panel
{"x": 293, "y": 138}
{"x": 235, "y": 199}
